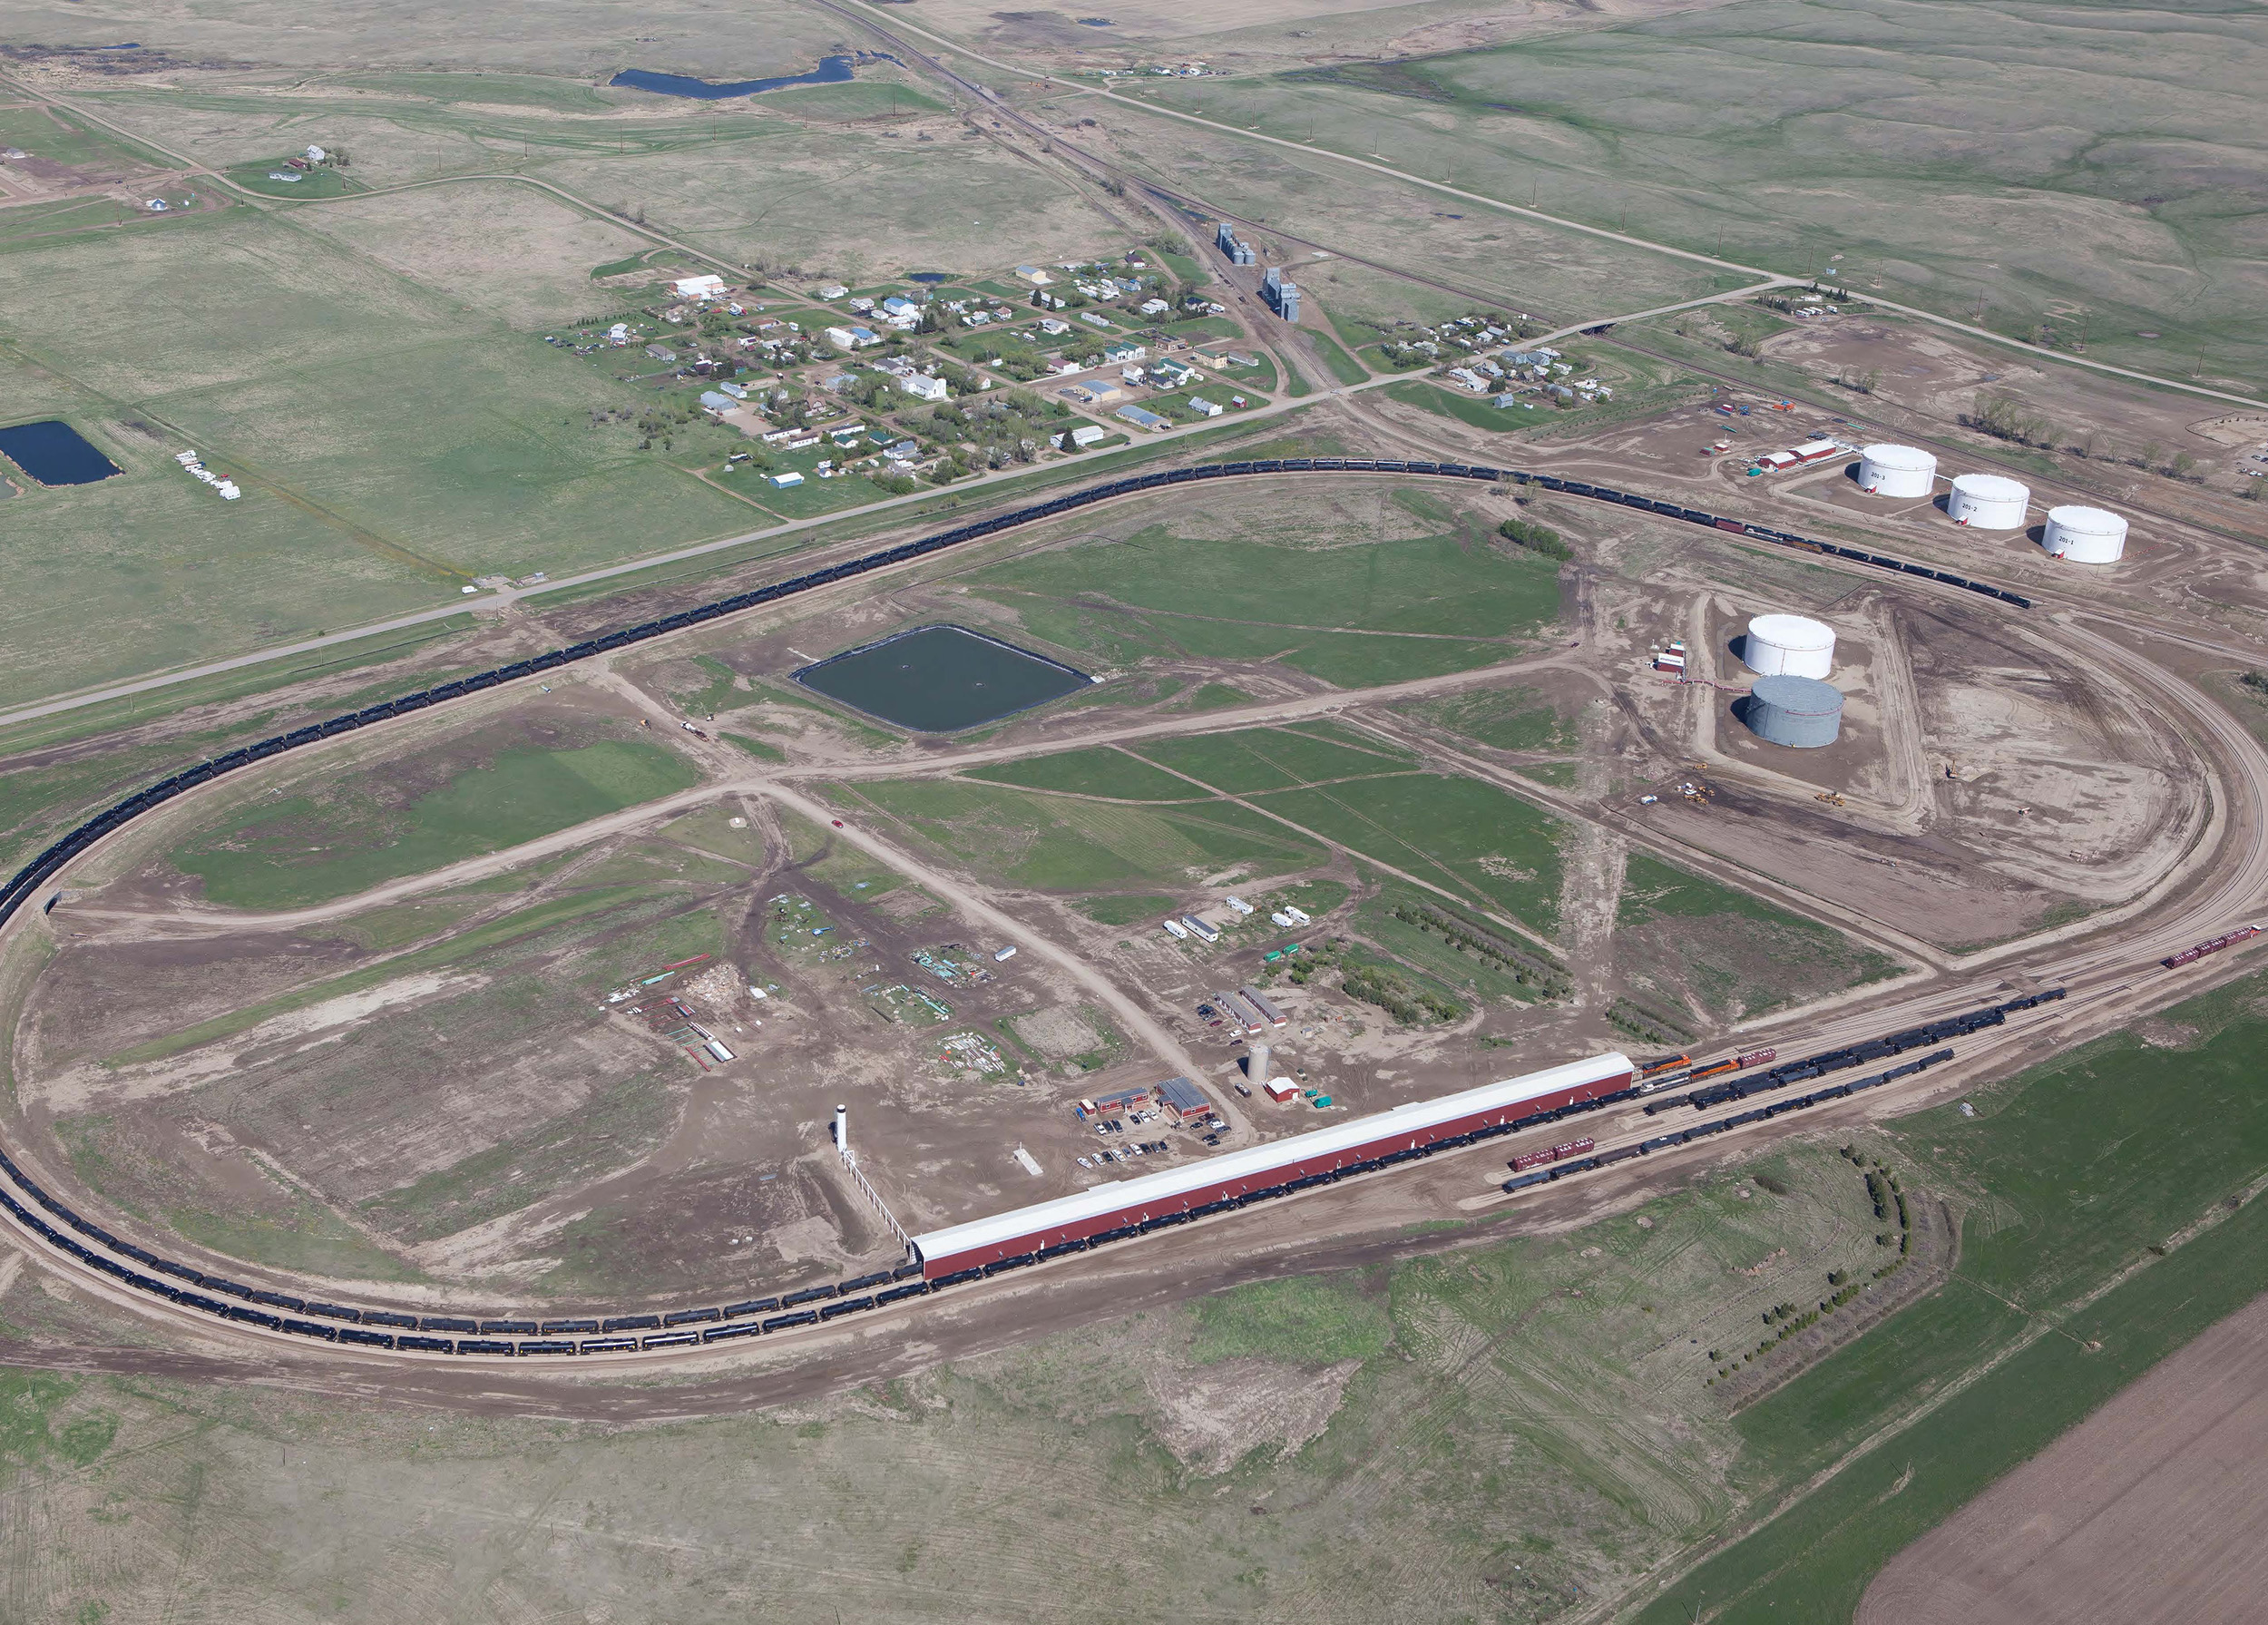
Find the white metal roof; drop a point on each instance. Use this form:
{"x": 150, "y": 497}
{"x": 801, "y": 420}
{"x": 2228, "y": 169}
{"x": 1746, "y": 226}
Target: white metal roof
{"x": 1258, "y": 1160}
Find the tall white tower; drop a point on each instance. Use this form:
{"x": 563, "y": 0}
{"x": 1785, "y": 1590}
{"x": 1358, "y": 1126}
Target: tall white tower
{"x": 842, "y": 1129}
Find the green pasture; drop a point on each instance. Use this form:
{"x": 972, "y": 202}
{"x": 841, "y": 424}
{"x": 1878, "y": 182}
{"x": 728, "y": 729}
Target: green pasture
{"x": 2096, "y": 1163}
{"x": 1449, "y": 603}
{"x": 299, "y": 850}
{"x": 390, "y": 446}
{"x": 259, "y": 176}
{"x": 1343, "y": 366}
{"x": 1468, "y": 838}
{"x": 1057, "y": 843}
{"x": 1103, "y": 772}
{"x": 61, "y": 137}
{"x": 2051, "y": 160}
{"x": 1510, "y": 719}
{"x": 1124, "y": 908}
{"x": 1272, "y": 758}
{"x": 1681, "y": 935}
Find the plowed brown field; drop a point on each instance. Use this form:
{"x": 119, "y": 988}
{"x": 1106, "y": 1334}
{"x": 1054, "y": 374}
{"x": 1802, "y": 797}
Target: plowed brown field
{"x": 2156, "y": 1508}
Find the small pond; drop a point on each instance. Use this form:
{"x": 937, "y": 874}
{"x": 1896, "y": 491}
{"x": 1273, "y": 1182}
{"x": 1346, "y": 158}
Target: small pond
{"x": 54, "y": 454}
{"x": 941, "y": 679}
{"x": 832, "y": 70}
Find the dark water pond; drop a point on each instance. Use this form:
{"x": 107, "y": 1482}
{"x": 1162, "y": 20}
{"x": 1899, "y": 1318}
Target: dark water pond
{"x": 832, "y": 70}
{"x": 54, "y": 454}
{"x": 941, "y": 679}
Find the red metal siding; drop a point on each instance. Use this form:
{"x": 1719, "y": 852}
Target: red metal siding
{"x": 1095, "y": 1225}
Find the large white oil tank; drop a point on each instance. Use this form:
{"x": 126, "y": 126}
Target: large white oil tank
{"x": 1988, "y": 501}
{"x": 1789, "y": 646}
{"x": 2085, "y": 535}
{"x": 1886, "y": 470}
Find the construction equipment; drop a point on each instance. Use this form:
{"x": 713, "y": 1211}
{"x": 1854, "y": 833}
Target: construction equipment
{"x": 1830, "y": 798}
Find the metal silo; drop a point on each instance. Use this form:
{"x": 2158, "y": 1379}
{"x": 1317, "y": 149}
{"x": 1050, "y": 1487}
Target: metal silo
{"x": 1886, "y": 470}
{"x": 1795, "y": 644}
{"x": 2085, "y": 535}
{"x": 1799, "y": 711}
{"x": 1988, "y": 501}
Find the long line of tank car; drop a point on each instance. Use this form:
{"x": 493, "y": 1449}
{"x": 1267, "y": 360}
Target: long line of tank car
{"x": 1779, "y": 1077}
{"x": 446, "y": 1334}
{"x": 683, "y": 1328}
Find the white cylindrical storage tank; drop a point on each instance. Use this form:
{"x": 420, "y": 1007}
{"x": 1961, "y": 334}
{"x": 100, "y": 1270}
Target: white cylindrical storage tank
{"x": 842, "y": 1129}
{"x": 1988, "y": 501}
{"x": 1792, "y": 645}
{"x": 1256, "y": 1064}
{"x": 2085, "y": 535}
{"x": 1886, "y": 470}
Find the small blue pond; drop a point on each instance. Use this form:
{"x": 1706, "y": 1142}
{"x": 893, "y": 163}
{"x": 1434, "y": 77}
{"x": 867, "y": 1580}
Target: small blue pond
{"x": 54, "y": 454}
{"x": 832, "y": 70}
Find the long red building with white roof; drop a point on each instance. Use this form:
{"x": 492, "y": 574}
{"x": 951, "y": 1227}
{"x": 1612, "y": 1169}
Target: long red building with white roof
{"x": 1121, "y": 1203}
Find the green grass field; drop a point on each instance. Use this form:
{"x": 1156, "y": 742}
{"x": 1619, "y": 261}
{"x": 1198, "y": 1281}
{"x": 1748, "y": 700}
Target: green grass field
{"x": 58, "y": 137}
{"x": 1124, "y": 908}
{"x": 1680, "y": 935}
{"x": 1059, "y": 843}
{"x": 391, "y": 444}
{"x": 1111, "y": 774}
{"x": 1343, "y": 366}
{"x": 1510, "y": 719}
{"x": 1272, "y": 758}
{"x": 1469, "y": 838}
{"x": 1477, "y": 410}
{"x": 1354, "y": 616}
{"x": 312, "y": 848}
{"x": 2072, "y": 1172}
{"x": 1854, "y": 132}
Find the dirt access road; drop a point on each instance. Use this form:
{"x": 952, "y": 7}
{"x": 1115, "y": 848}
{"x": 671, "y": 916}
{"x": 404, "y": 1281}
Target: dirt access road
{"x": 2152, "y": 1512}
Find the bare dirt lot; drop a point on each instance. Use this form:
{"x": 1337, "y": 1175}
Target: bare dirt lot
{"x": 2154, "y": 1510}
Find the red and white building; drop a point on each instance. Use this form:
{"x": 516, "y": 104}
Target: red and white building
{"x": 1122, "y": 1202}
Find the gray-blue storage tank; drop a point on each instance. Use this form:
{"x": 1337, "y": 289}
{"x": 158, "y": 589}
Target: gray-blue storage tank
{"x": 1801, "y": 712}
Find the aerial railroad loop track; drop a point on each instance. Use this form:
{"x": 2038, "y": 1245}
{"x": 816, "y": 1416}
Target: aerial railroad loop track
{"x": 59, "y": 1228}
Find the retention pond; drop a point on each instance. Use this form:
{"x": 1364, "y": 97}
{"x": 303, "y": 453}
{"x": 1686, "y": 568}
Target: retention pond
{"x": 832, "y": 70}
{"x": 941, "y": 679}
{"x": 54, "y": 454}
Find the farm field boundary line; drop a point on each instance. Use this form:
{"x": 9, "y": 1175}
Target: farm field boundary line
{"x": 1445, "y": 189}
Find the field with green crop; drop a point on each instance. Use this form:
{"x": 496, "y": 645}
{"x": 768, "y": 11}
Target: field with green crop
{"x": 2099, "y": 1239}
{"x": 1105, "y": 819}
{"x": 2040, "y": 157}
